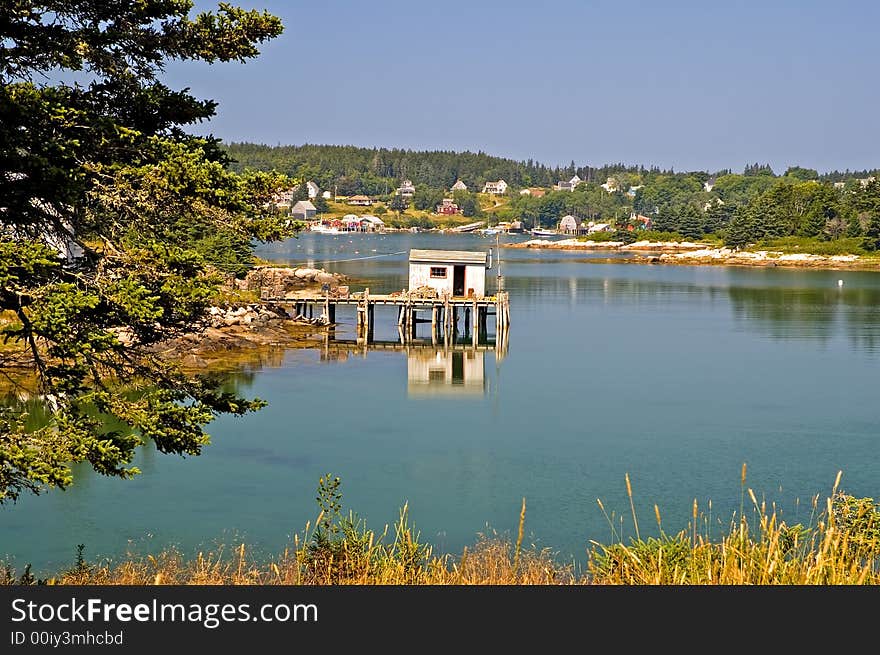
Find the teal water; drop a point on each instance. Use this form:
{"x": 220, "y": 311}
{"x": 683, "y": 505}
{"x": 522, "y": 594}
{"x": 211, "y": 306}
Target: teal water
{"x": 674, "y": 375}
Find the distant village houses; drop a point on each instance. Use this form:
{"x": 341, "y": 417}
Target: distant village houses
{"x": 303, "y": 210}
{"x": 646, "y": 222}
{"x": 448, "y": 207}
{"x": 406, "y": 189}
{"x": 534, "y": 192}
{"x": 568, "y": 225}
{"x": 569, "y": 185}
{"x": 372, "y": 223}
{"x": 313, "y": 190}
{"x": 459, "y": 186}
{"x": 598, "y": 227}
{"x": 360, "y": 200}
{"x": 611, "y": 185}
{"x": 498, "y": 188}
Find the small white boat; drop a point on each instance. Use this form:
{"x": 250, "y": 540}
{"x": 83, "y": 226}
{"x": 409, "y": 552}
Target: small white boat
{"x": 540, "y": 232}
{"x": 323, "y": 229}
{"x": 470, "y": 227}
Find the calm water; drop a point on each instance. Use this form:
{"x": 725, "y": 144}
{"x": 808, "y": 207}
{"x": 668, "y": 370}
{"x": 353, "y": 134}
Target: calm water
{"x": 675, "y": 375}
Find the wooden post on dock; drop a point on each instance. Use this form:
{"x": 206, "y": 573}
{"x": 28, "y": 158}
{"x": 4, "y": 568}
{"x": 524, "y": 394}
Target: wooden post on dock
{"x": 367, "y": 312}
{"x": 474, "y": 323}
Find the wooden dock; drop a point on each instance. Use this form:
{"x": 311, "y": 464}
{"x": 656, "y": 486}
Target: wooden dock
{"x": 445, "y": 313}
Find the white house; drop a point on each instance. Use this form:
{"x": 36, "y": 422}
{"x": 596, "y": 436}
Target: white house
{"x": 406, "y": 189}
{"x": 450, "y": 272}
{"x": 371, "y": 223}
{"x": 313, "y": 189}
{"x": 570, "y": 185}
{"x": 610, "y": 185}
{"x": 497, "y": 188}
{"x": 709, "y": 184}
{"x": 459, "y": 186}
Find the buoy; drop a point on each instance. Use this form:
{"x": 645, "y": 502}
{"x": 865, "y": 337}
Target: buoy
{"x": 840, "y": 283}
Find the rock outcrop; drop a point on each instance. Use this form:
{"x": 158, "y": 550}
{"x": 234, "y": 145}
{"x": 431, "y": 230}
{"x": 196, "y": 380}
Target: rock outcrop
{"x": 283, "y": 281}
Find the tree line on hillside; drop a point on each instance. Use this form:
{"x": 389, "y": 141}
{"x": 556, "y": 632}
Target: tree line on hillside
{"x": 351, "y": 170}
{"x": 739, "y": 208}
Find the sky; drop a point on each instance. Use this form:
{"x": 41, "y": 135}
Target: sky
{"x": 682, "y": 84}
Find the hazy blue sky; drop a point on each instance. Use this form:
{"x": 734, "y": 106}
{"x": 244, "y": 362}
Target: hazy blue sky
{"x": 683, "y": 84}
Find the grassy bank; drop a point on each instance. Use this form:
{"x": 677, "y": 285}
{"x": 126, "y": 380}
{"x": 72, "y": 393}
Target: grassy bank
{"x": 839, "y": 546}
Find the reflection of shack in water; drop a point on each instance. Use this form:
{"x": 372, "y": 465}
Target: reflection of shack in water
{"x": 451, "y": 368}
{"x": 442, "y": 371}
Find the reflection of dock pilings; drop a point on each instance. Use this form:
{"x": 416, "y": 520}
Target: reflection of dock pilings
{"x": 333, "y": 348}
{"x": 446, "y": 312}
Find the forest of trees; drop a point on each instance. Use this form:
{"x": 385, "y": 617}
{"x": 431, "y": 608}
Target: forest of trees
{"x": 378, "y": 171}
{"x": 740, "y": 208}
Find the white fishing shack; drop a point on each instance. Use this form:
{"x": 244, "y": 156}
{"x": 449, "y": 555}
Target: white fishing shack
{"x": 450, "y": 272}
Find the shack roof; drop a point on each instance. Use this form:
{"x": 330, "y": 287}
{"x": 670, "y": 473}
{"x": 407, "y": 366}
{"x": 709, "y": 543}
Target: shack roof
{"x": 448, "y": 256}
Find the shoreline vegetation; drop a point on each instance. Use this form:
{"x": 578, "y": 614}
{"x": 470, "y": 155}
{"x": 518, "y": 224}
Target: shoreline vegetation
{"x": 839, "y": 546}
{"x": 692, "y": 253}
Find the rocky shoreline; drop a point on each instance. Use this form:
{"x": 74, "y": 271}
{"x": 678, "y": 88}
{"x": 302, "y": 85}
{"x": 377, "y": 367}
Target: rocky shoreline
{"x": 692, "y": 253}
{"x": 239, "y": 327}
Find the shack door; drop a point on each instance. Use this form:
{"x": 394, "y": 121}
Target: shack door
{"x": 458, "y": 281}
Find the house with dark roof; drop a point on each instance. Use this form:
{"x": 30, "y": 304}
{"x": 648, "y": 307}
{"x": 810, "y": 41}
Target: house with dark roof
{"x": 567, "y": 185}
{"x": 303, "y": 210}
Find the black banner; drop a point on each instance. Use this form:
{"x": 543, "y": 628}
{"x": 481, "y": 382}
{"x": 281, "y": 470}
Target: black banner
{"x": 141, "y": 619}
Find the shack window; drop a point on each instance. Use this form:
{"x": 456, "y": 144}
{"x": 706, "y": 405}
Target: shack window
{"x": 438, "y": 271}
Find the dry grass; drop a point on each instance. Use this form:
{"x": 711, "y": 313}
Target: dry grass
{"x": 841, "y": 546}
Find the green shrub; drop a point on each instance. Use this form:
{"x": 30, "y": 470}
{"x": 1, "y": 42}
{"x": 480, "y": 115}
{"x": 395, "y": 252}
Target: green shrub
{"x": 813, "y": 246}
